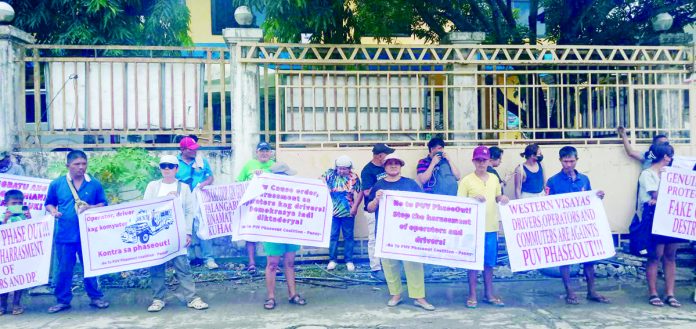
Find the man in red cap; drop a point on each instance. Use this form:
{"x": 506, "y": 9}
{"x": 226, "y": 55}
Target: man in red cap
{"x": 194, "y": 170}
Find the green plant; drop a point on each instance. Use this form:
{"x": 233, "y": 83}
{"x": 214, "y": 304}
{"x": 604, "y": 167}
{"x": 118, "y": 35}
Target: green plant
{"x": 123, "y": 174}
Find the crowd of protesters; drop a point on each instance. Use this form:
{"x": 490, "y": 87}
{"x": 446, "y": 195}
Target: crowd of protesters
{"x": 181, "y": 174}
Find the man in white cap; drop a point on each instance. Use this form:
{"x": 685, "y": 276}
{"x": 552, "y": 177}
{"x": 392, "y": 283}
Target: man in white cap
{"x": 170, "y": 185}
{"x": 346, "y": 196}
{"x": 7, "y": 166}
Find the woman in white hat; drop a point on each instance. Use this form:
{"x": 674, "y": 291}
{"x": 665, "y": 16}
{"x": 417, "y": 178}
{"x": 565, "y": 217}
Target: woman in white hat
{"x": 169, "y": 185}
{"x": 346, "y": 196}
{"x": 392, "y": 268}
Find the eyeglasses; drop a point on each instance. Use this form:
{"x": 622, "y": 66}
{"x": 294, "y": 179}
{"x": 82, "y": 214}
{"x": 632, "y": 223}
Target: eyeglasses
{"x": 168, "y": 166}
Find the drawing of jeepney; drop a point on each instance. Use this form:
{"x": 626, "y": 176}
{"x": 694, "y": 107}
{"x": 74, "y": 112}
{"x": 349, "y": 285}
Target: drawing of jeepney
{"x": 144, "y": 225}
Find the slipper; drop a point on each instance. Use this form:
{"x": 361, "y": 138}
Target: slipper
{"x": 269, "y": 304}
{"x": 58, "y": 308}
{"x": 471, "y": 303}
{"x": 426, "y": 306}
{"x": 671, "y": 301}
{"x": 654, "y": 300}
{"x": 2, "y": 311}
{"x": 99, "y": 303}
{"x": 495, "y": 301}
{"x": 393, "y": 303}
{"x": 599, "y": 299}
{"x": 251, "y": 269}
{"x": 297, "y": 300}
{"x": 17, "y": 310}
{"x": 572, "y": 300}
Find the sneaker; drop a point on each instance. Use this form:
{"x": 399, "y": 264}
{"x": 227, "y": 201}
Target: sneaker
{"x": 211, "y": 264}
{"x": 331, "y": 266}
{"x": 350, "y": 266}
{"x": 156, "y": 306}
{"x": 378, "y": 275}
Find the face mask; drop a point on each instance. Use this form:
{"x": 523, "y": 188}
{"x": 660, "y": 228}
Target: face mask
{"x": 16, "y": 209}
{"x": 540, "y": 158}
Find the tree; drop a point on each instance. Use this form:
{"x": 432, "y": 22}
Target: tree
{"x": 568, "y": 21}
{"x": 103, "y": 22}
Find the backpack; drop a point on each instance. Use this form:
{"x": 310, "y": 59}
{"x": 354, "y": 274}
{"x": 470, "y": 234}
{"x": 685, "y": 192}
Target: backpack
{"x": 641, "y": 230}
{"x": 445, "y": 181}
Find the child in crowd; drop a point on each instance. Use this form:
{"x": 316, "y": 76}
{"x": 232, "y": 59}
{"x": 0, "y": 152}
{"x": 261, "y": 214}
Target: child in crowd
{"x": 16, "y": 211}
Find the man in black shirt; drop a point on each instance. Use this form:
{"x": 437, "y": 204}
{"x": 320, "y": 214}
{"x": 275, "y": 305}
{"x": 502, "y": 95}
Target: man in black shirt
{"x": 371, "y": 173}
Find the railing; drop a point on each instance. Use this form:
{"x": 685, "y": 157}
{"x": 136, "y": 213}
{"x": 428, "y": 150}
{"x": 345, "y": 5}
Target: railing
{"x": 335, "y": 95}
{"x": 104, "y": 96}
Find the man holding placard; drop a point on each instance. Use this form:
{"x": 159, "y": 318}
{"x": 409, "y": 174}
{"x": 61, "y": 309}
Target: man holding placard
{"x": 569, "y": 180}
{"x": 484, "y": 187}
{"x": 68, "y": 196}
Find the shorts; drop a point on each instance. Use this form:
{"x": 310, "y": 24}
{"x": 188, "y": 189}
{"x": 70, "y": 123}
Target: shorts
{"x": 490, "y": 251}
{"x": 656, "y": 239}
{"x": 279, "y": 249}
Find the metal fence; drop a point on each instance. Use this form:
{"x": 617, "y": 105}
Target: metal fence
{"x": 98, "y": 97}
{"x": 333, "y": 95}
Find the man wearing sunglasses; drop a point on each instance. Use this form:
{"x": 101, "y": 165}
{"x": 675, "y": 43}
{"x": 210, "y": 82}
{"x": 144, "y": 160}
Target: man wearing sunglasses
{"x": 194, "y": 170}
{"x": 169, "y": 185}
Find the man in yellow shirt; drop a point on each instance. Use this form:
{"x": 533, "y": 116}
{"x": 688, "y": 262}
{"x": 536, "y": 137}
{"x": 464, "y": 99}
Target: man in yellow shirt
{"x": 484, "y": 187}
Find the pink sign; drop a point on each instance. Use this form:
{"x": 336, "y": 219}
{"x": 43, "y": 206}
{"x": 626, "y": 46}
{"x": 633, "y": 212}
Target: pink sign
{"x": 556, "y": 230}
{"x": 285, "y": 209}
{"x": 132, "y": 235}
{"x": 432, "y": 229}
{"x": 25, "y": 253}
{"x": 675, "y": 213}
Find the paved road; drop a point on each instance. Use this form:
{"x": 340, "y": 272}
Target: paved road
{"x": 530, "y": 304}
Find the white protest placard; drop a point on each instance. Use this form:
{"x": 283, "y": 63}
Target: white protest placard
{"x": 218, "y": 205}
{"x": 675, "y": 212}
{"x": 25, "y": 253}
{"x": 34, "y": 190}
{"x": 132, "y": 235}
{"x": 684, "y": 162}
{"x": 432, "y": 229}
{"x": 556, "y": 230}
{"x": 285, "y": 209}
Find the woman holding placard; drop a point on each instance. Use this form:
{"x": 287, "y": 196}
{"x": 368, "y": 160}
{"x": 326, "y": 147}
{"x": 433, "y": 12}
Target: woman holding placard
{"x": 415, "y": 279}
{"x": 659, "y": 247}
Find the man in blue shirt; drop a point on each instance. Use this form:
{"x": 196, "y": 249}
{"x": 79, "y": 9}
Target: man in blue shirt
{"x": 62, "y": 204}
{"x": 194, "y": 170}
{"x": 570, "y": 180}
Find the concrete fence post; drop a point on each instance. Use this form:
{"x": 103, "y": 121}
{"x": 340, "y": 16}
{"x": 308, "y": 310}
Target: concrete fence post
{"x": 12, "y": 41}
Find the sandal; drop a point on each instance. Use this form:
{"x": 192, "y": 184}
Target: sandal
{"x": 99, "y": 303}
{"x": 58, "y": 308}
{"x": 17, "y": 310}
{"x": 197, "y": 304}
{"x": 671, "y": 301}
{"x": 269, "y": 304}
{"x": 156, "y": 306}
{"x": 297, "y": 300}
{"x": 599, "y": 299}
{"x": 572, "y": 300}
{"x": 654, "y": 300}
{"x": 251, "y": 269}
{"x": 495, "y": 301}
{"x": 471, "y": 303}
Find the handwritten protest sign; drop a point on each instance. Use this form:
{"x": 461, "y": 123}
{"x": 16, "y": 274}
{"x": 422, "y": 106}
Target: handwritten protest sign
{"x": 675, "y": 212}
{"x": 132, "y": 235}
{"x": 34, "y": 190}
{"x": 218, "y": 205}
{"x": 25, "y": 253}
{"x": 285, "y": 209}
{"x": 556, "y": 230}
{"x": 432, "y": 229}
{"x": 684, "y": 162}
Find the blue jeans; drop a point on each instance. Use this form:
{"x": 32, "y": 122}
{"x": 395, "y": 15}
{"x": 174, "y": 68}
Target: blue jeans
{"x": 66, "y": 264}
{"x": 347, "y": 224}
{"x": 205, "y": 245}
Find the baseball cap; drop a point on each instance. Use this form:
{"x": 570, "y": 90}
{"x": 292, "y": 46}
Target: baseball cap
{"x": 481, "y": 153}
{"x": 283, "y": 169}
{"x": 394, "y": 157}
{"x": 263, "y": 146}
{"x": 344, "y": 161}
{"x": 382, "y": 148}
{"x": 4, "y": 153}
{"x": 169, "y": 159}
{"x": 188, "y": 143}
